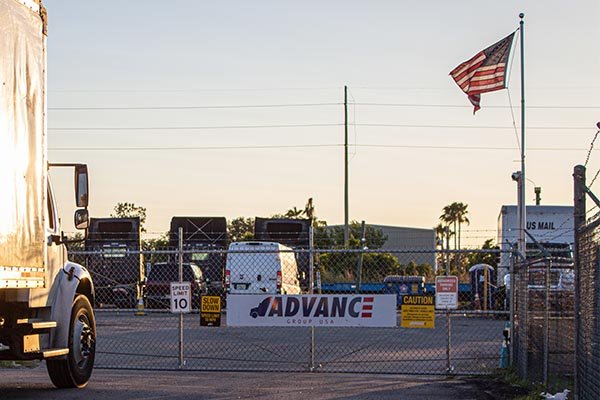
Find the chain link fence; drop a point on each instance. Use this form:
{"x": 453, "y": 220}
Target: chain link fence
{"x": 137, "y": 330}
{"x": 587, "y": 240}
{"x": 544, "y": 341}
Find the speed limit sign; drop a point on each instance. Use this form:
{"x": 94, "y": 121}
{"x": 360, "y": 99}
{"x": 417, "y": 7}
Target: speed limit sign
{"x": 181, "y": 297}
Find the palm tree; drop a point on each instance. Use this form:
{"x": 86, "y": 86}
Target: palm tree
{"x": 449, "y": 216}
{"x": 461, "y": 217}
{"x": 309, "y": 210}
{"x": 440, "y": 235}
{"x": 294, "y": 213}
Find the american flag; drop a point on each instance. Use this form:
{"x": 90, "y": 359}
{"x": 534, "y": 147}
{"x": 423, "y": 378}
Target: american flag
{"x": 485, "y": 72}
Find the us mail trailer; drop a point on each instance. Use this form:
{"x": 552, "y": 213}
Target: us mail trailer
{"x": 293, "y": 233}
{"x": 261, "y": 267}
{"x": 550, "y": 226}
{"x": 45, "y": 300}
{"x": 205, "y": 241}
{"x": 115, "y": 261}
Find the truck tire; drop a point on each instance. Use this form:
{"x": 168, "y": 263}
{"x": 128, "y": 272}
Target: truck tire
{"x": 75, "y": 369}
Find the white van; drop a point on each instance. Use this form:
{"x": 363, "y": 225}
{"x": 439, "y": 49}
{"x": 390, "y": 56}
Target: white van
{"x": 261, "y": 267}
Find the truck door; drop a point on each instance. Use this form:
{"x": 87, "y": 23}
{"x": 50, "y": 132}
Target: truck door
{"x": 55, "y": 258}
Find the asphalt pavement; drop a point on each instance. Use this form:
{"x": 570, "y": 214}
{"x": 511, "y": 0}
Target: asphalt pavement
{"x": 33, "y": 383}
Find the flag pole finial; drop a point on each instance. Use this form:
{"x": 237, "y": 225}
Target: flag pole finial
{"x": 521, "y": 15}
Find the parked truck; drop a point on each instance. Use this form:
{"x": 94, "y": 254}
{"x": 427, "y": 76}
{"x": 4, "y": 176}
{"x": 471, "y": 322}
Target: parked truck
{"x": 45, "y": 300}
{"x": 205, "y": 242}
{"x": 550, "y": 226}
{"x": 114, "y": 260}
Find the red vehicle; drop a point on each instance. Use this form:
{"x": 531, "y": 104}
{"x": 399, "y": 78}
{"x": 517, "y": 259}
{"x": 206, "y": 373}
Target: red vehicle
{"x": 157, "y": 291}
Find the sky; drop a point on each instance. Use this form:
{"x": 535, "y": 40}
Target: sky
{"x": 235, "y": 108}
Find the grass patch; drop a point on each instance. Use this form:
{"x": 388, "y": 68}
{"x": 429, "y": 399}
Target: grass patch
{"x": 20, "y": 364}
{"x": 556, "y": 384}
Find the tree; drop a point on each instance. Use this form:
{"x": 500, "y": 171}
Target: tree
{"x": 485, "y": 258}
{"x": 442, "y": 236}
{"x": 241, "y": 228}
{"x": 334, "y": 236}
{"x": 76, "y": 242}
{"x": 130, "y": 210}
{"x": 448, "y": 216}
{"x": 294, "y": 213}
{"x": 342, "y": 267}
{"x": 455, "y": 214}
{"x": 158, "y": 243}
{"x": 461, "y": 217}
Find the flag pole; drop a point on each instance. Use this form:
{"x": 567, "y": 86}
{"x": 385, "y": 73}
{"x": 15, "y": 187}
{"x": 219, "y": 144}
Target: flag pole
{"x": 521, "y": 194}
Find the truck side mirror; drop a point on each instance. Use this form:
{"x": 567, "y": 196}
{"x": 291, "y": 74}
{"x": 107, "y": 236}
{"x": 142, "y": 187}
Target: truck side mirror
{"x": 82, "y": 218}
{"x": 81, "y": 186}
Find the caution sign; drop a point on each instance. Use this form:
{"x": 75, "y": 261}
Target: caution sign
{"x": 418, "y": 312}
{"x": 210, "y": 311}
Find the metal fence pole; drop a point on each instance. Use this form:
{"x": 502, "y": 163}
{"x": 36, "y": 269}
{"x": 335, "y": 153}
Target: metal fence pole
{"x": 359, "y": 266}
{"x": 449, "y": 341}
{"x": 311, "y": 365}
{"x": 579, "y": 201}
{"x": 511, "y": 307}
{"x": 181, "y": 361}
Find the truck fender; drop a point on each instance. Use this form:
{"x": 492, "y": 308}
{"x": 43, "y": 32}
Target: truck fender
{"x": 72, "y": 279}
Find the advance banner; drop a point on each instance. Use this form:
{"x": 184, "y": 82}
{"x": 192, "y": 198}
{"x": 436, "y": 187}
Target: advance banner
{"x": 373, "y": 310}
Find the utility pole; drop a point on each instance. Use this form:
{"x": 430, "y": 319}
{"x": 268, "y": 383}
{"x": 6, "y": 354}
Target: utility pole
{"x": 346, "y": 227}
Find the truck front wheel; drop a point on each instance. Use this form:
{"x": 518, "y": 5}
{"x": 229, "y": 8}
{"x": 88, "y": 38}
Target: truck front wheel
{"x": 75, "y": 370}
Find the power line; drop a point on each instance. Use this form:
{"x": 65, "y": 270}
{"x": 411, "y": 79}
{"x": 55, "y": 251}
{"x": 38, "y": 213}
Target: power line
{"x": 166, "y": 128}
{"x": 192, "y": 107}
{"x": 288, "y": 105}
{"x": 382, "y": 146}
{"x": 293, "y": 146}
{"x": 191, "y": 90}
{"x": 141, "y": 128}
{"x": 471, "y": 147}
{"x": 540, "y": 88}
{"x": 468, "y": 106}
{"x": 472, "y": 126}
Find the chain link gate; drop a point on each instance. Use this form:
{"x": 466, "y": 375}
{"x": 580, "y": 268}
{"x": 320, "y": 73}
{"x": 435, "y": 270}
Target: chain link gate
{"x": 544, "y": 341}
{"x": 464, "y": 341}
{"x": 587, "y": 288}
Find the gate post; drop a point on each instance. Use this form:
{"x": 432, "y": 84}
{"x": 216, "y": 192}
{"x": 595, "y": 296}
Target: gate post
{"x": 311, "y": 290}
{"x": 579, "y": 221}
{"x": 449, "y": 341}
{"x": 180, "y": 234}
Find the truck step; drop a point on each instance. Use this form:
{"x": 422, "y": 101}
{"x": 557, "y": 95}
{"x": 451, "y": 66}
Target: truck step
{"x": 50, "y": 353}
{"x": 35, "y": 324}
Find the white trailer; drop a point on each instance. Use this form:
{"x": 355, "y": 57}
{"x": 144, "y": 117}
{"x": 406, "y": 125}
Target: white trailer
{"x": 551, "y": 226}
{"x": 45, "y": 300}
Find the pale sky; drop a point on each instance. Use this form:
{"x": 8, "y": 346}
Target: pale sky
{"x": 182, "y": 57}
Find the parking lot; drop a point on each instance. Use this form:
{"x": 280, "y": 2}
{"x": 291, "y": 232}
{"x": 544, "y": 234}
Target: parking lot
{"x": 152, "y": 342}
{"x": 133, "y": 385}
